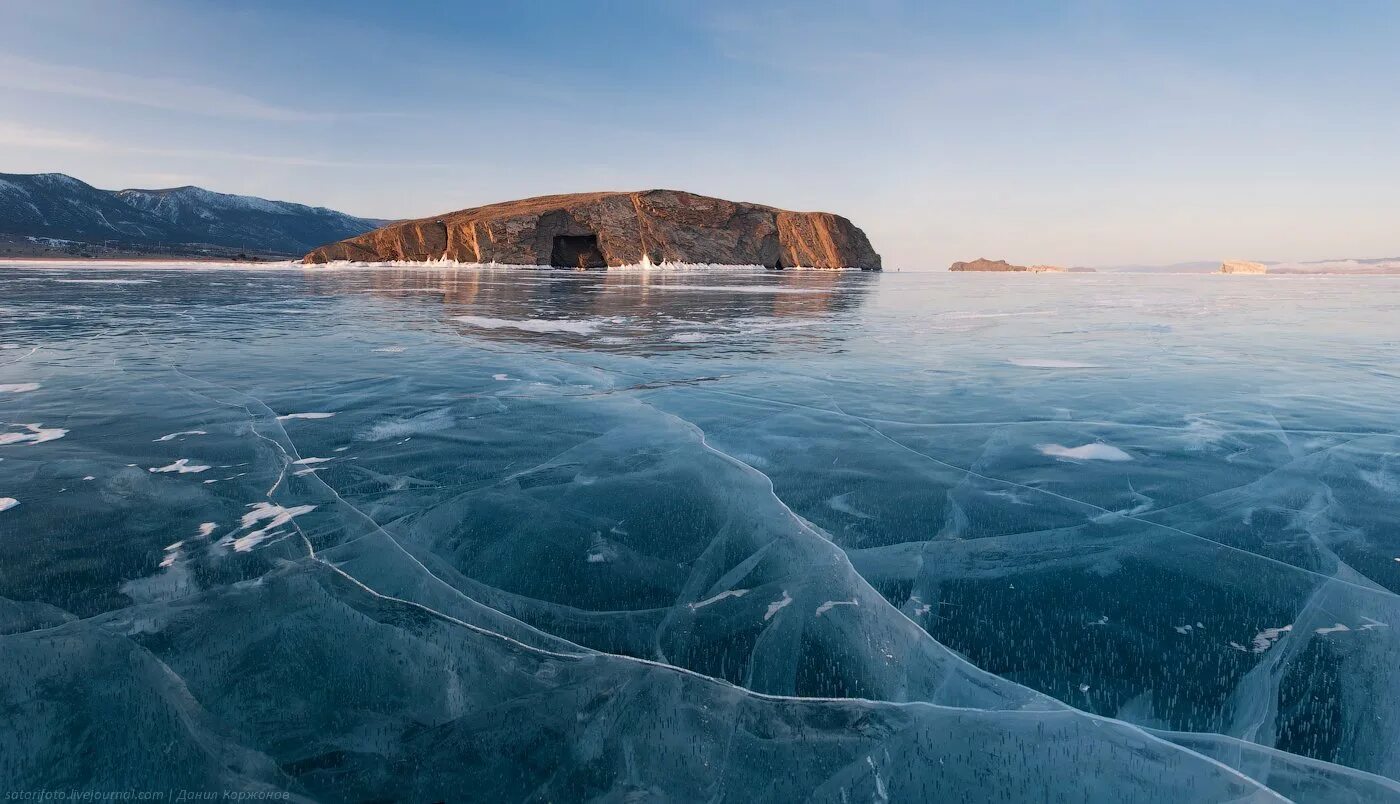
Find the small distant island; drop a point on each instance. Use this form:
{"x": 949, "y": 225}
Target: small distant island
{"x": 606, "y": 229}
{"x": 1002, "y": 266}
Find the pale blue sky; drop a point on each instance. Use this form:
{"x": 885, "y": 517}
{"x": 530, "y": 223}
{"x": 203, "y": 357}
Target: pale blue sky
{"x": 1061, "y": 132}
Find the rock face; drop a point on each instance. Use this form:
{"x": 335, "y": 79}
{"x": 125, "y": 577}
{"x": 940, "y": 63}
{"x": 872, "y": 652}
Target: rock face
{"x": 596, "y": 230}
{"x": 1242, "y": 267}
{"x": 984, "y": 264}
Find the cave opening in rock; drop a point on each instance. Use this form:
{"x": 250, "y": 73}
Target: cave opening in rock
{"x": 576, "y": 251}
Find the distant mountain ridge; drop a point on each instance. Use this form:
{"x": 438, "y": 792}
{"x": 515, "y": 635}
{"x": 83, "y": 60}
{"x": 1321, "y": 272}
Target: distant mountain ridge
{"x": 48, "y": 207}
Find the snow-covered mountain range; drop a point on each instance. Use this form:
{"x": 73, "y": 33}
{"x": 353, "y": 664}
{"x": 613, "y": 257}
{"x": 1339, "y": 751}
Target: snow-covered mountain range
{"x": 50, "y": 207}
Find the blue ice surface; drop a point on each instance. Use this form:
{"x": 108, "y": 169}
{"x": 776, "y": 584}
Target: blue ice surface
{"x": 446, "y": 534}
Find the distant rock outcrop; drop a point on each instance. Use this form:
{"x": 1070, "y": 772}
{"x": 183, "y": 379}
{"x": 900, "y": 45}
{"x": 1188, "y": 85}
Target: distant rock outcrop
{"x": 984, "y": 264}
{"x": 1242, "y": 267}
{"x": 597, "y": 230}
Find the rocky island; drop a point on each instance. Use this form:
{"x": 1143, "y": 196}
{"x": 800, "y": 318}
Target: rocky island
{"x": 598, "y": 230}
{"x": 984, "y": 264}
{"x": 1243, "y": 267}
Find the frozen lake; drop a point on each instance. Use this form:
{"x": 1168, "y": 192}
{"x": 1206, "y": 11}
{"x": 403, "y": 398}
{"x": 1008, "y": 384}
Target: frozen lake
{"x": 393, "y": 534}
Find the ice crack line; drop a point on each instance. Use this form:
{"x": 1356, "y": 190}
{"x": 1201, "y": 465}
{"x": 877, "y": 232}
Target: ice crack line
{"x": 1232, "y": 548}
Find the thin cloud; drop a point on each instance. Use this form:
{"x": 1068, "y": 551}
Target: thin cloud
{"x": 156, "y": 93}
{"x": 14, "y": 135}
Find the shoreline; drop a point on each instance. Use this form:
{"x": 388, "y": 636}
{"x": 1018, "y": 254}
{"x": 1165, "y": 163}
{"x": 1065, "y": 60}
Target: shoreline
{"x": 205, "y": 263}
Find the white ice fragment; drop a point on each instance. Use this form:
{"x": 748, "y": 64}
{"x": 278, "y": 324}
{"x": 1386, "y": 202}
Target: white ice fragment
{"x": 182, "y": 466}
{"x": 171, "y": 436}
{"x": 6, "y": 503}
{"x": 309, "y": 461}
{"x": 500, "y": 377}
{"x": 37, "y": 434}
{"x": 1370, "y": 624}
{"x": 19, "y": 387}
{"x": 777, "y": 606}
{"x": 389, "y": 349}
{"x": 287, "y": 416}
{"x": 1331, "y": 629}
{"x": 206, "y": 529}
{"x": 1183, "y": 629}
{"x": 831, "y": 604}
{"x": 1087, "y": 452}
{"x": 717, "y": 598}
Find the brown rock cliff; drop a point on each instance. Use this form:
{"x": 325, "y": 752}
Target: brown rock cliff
{"x": 596, "y": 230}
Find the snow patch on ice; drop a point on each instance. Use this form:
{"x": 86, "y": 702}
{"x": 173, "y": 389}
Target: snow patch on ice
{"x": 37, "y": 434}
{"x": 777, "y": 606}
{"x": 1086, "y": 452}
{"x": 585, "y": 327}
{"x": 839, "y": 503}
{"x": 284, "y": 417}
{"x": 690, "y": 337}
{"x": 275, "y": 515}
{"x": 106, "y": 281}
{"x": 831, "y": 604}
{"x": 172, "y": 436}
{"x": 1048, "y": 363}
{"x": 1265, "y": 639}
{"x": 717, "y": 598}
{"x": 6, "y": 503}
{"x": 19, "y": 387}
{"x": 182, "y": 466}
{"x": 430, "y": 422}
